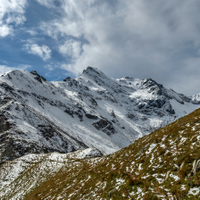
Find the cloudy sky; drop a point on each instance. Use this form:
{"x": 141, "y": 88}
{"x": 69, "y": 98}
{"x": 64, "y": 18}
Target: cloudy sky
{"x": 140, "y": 38}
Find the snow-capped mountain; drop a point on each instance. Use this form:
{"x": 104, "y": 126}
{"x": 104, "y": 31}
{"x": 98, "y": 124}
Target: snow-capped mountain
{"x": 92, "y": 110}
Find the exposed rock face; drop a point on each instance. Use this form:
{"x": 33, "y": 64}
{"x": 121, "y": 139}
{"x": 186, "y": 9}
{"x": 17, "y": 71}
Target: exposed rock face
{"x": 4, "y": 125}
{"x": 105, "y": 126}
{"x": 38, "y": 77}
{"x": 92, "y": 110}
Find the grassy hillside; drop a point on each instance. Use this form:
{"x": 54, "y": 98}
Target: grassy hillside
{"x": 162, "y": 165}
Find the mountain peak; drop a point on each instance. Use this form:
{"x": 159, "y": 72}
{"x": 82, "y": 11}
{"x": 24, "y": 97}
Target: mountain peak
{"x": 92, "y": 70}
{"x": 18, "y": 74}
{"x": 149, "y": 82}
{"x": 96, "y": 75}
{"x": 37, "y": 76}
{"x": 15, "y": 71}
{"x": 34, "y": 72}
{"x": 13, "y": 75}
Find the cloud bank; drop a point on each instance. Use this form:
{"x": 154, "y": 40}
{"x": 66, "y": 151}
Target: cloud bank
{"x": 145, "y": 38}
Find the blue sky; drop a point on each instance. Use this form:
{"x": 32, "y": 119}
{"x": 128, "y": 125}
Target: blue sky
{"x": 59, "y": 38}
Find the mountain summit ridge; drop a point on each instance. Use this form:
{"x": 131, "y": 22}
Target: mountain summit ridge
{"x": 92, "y": 110}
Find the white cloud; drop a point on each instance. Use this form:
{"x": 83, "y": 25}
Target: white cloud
{"x": 137, "y": 38}
{"x": 71, "y": 48}
{"x": 11, "y": 14}
{"x": 43, "y": 51}
{"x": 5, "y": 30}
{"x": 69, "y": 67}
{"x": 52, "y": 66}
{"x": 47, "y": 3}
{"x": 32, "y": 32}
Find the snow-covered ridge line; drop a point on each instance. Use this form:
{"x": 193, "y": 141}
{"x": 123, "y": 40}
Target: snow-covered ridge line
{"x": 93, "y": 110}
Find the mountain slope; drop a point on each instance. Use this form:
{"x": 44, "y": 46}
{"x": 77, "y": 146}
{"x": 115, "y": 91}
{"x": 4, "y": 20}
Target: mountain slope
{"x": 162, "y": 165}
{"x": 93, "y": 110}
